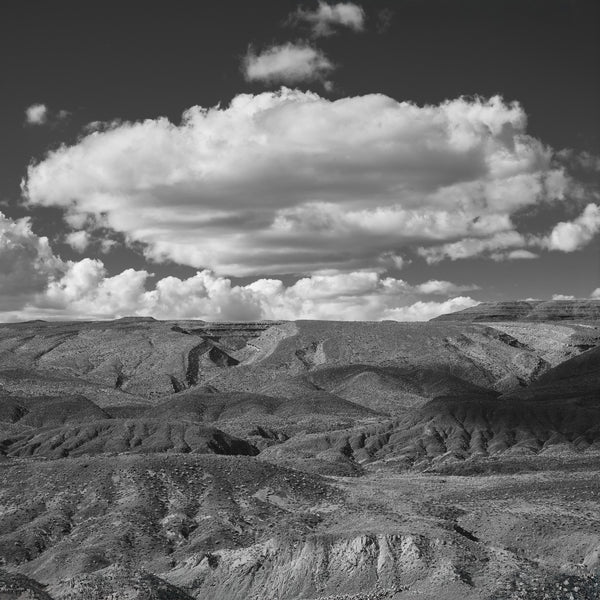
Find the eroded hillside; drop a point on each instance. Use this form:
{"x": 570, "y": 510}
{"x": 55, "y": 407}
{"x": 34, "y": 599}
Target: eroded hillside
{"x": 295, "y": 460}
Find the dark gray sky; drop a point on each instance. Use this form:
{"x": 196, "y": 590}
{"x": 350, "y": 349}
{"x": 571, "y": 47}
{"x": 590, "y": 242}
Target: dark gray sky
{"x": 132, "y": 61}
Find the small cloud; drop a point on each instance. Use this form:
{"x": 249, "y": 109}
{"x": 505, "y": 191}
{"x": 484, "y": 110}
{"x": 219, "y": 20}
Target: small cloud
{"x": 562, "y": 297}
{"x": 289, "y": 63}
{"x": 589, "y": 161}
{"x": 76, "y": 220}
{"x": 569, "y": 236}
{"x": 107, "y": 245}
{"x": 36, "y": 114}
{"x": 384, "y": 19}
{"x": 393, "y": 260}
{"x": 443, "y": 288}
{"x": 327, "y": 19}
{"x": 40, "y": 114}
{"x": 78, "y": 240}
{"x": 582, "y": 160}
{"x": 595, "y": 294}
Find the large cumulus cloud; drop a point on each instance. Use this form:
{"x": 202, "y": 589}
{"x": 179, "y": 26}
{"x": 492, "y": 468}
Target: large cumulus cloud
{"x": 289, "y": 182}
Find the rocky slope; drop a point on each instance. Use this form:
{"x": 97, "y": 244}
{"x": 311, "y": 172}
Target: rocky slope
{"x": 559, "y": 411}
{"x": 144, "y": 459}
{"x": 139, "y": 436}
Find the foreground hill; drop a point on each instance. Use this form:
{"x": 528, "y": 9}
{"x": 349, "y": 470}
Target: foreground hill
{"x": 171, "y": 460}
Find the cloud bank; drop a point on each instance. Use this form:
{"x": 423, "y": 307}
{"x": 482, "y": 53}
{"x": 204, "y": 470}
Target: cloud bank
{"x": 290, "y": 182}
{"x": 37, "y": 284}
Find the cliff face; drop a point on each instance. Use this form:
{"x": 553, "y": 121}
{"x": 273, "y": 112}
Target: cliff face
{"x": 522, "y": 310}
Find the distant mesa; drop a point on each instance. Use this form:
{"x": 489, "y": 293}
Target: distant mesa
{"x": 528, "y": 310}
{"x": 34, "y": 321}
{"x": 135, "y": 320}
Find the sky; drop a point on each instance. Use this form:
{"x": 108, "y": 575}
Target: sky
{"x": 272, "y": 159}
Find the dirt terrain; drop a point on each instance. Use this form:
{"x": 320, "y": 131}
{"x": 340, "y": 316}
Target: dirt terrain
{"x": 171, "y": 460}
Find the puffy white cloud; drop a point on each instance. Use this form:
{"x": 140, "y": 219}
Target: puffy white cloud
{"x": 595, "y": 294}
{"x": 326, "y": 19}
{"x": 106, "y": 245}
{"x": 36, "y": 114}
{"x": 78, "y": 240}
{"x": 493, "y": 246}
{"x": 569, "y": 236}
{"x": 83, "y": 240}
{"x": 40, "y": 114}
{"x": 562, "y": 297}
{"x": 37, "y": 284}
{"x": 289, "y": 182}
{"x": 85, "y": 291}
{"x": 289, "y": 63}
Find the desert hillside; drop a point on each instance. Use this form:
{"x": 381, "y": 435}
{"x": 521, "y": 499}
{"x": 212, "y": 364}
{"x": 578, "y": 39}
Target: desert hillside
{"x": 452, "y": 459}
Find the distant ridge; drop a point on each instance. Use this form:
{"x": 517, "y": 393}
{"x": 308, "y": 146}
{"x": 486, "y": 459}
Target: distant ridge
{"x": 528, "y": 310}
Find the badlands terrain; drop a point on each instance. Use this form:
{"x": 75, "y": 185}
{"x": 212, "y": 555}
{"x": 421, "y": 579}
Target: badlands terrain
{"x": 178, "y": 460}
